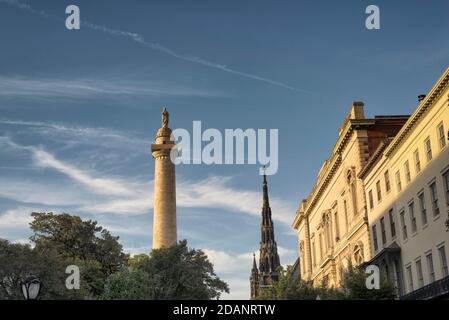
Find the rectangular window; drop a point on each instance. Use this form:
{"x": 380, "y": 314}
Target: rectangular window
{"x": 382, "y": 230}
{"x": 387, "y": 181}
{"x": 434, "y": 198}
{"x": 417, "y": 161}
{"x": 337, "y": 227}
{"x": 392, "y": 223}
{"x": 441, "y": 136}
{"x": 419, "y": 273}
{"x": 430, "y": 267}
{"x": 411, "y": 211}
{"x": 313, "y": 254}
{"x": 422, "y": 208}
{"x": 379, "y": 192}
{"x": 321, "y": 246}
{"x": 446, "y": 185}
{"x": 407, "y": 171}
{"x": 398, "y": 280}
{"x": 428, "y": 148}
{"x": 404, "y": 225}
{"x": 443, "y": 261}
{"x": 371, "y": 200}
{"x": 375, "y": 238}
{"x": 410, "y": 278}
{"x": 398, "y": 181}
{"x": 345, "y": 209}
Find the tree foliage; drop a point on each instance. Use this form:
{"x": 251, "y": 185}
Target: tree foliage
{"x": 177, "y": 272}
{"x": 128, "y": 284}
{"x": 19, "y": 261}
{"x": 106, "y": 272}
{"x": 74, "y": 238}
{"x": 353, "y": 287}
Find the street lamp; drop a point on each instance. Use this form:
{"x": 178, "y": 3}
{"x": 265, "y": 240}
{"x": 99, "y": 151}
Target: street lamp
{"x": 31, "y": 287}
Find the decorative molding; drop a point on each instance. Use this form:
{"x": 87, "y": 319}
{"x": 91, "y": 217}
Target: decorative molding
{"x": 335, "y": 161}
{"x": 425, "y": 105}
{"x": 317, "y": 192}
{"x": 387, "y": 147}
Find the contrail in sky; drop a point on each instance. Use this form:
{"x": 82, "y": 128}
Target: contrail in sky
{"x": 156, "y": 46}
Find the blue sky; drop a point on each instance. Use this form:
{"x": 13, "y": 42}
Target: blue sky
{"x": 79, "y": 109}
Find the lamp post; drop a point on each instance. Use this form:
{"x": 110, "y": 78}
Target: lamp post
{"x": 31, "y": 287}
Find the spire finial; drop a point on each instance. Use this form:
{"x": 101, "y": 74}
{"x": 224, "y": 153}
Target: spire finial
{"x": 254, "y": 262}
{"x": 265, "y": 189}
{"x": 264, "y": 169}
{"x": 164, "y": 117}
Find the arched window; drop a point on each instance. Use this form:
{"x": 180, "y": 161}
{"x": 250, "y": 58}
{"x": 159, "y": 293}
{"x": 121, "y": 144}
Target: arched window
{"x": 327, "y": 231}
{"x": 358, "y": 254}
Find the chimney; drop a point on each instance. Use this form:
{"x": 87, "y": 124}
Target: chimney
{"x": 357, "y": 110}
{"x": 421, "y": 97}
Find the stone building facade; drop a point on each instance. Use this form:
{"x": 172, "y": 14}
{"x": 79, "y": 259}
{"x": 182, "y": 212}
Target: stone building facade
{"x": 332, "y": 222}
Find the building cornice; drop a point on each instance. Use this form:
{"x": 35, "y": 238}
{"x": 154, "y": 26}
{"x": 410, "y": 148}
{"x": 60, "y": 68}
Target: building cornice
{"x": 351, "y": 125}
{"x": 330, "y": 169}
{"x": 298, "y": 219}
{"x": 434, "y": 94}
{"x": 321, "y": 187}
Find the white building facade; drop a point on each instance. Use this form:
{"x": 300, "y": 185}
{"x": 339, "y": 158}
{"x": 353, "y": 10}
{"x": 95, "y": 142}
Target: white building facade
{"x": 406, "y": 183}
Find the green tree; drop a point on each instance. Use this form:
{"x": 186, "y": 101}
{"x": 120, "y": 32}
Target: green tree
{"x": 177, "y": 272}
{"x": 19, "y": 261}
{"x": 74, "y": 238}
{"x": 353, "y": 287}
{"x": 128, "y": 284}
{"x": 92, "y": 276}
{"x": 291, "y": 287}
{"x": 92, "y": 248}
{"x": 138, "y": 260}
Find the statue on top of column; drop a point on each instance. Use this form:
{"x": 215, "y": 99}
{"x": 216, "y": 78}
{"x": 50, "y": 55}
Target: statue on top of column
{"x": 164, "y": 118}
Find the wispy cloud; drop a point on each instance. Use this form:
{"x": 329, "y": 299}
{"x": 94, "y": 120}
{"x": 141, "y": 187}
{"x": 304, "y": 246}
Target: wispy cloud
{"x": 25, "y": 6}
{"x": 99, "y": 185}
{"x": 43, "y": 194}
{"x": 15, "y": 218}
{"x": 68, "y": 136}
{"x": 158, "y": 47}
{"x": 138, "y": 38}
{"x": 88, "y": 88}
{"x": 217, "y": 192}
{"x": 127, "y": 196}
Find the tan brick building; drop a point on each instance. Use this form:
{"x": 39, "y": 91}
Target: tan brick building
{"x": 332, "y": 223}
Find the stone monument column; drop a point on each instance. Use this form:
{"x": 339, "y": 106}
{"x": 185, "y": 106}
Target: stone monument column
{"x": 164, "y": 219}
